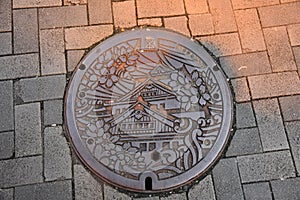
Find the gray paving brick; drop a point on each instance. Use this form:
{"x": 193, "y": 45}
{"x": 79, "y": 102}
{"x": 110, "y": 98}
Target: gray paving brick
{"x": 244, "y": 141}
{"x": 147, "y": 198}
{"x": 57, "y": 158}
{"x": 63, "y": 16}
{"x": 33, "y": 3}
{"x": 19, "y": 66}
{"x": 279, "y": 49}
{"x": 270, "y": 125}
{"x": 60, "y": 190}
{"x": 28, "y": 129}
{"x": 257, "y": 191}
{"x": 267, "y": 166}
{"x": 244, "y": 115}
{"x": 286, "y": 189}
{"x": 100, "y": 11}
{"x": 25, "y": 31}
{"x": 227, "y": 180}
{"x": 110, "y": 193}
{"x": 293, "y": 133}
{"x": 246, "y": 64}
{"x": 73, "y": 58}
{"x": 290, "y": 107}
{"x": 241, "y": 90}
{"x": 204, "y": 190}
{"x": 53, "y": 112}
{"x": 181, "y": 196}
{"x": 7, "y": 194}
{"x": 52, "y": 51}
{"x": 6, "y": 105}
{"x": 5, "y": 43}
{"x": 40, "y": 88}
{"x": 86, "y": 187}
{"x": 6, "y": 144}
{"x": 21, "y": 171}
{"x": 273, "y": 85}
{"x": 5, "y": 15}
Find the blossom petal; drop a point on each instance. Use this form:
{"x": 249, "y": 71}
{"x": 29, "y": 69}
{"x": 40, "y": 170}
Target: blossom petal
{"x": 109, "y": 83}
{"x": 114, "y": 78}
{"x": 102, "y": 79}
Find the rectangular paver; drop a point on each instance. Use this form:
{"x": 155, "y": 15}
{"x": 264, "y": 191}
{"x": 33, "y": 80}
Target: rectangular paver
{"x": 290, "y": 107}
{"x": 178, "y": 24}
{"x": 150, "y": 21}
{"x": 60, "y": 190}
{"x": 181, "y": 196}
{"x": 294, "y": 32}
{"x": 86, "y": 187}
{"x": 242, "y": 4}
{"x": 244, "y": 115}
{"x": 241, "y": 90}
{"x": 52, "y": 51}
{"x": 244, "y": 141}
{"x": 203, "y": 190}
{"x": 227, "y": 181}
{"x": 250, "y": 31}
{"x": 257, "y": 191}
{"x": 73, "y": 58}
{"x": 7, "y": 194}
{"x": 63, "y": 16}
{"x": 111, "y": 193}
{"x": 100, "y": 11}
{"x": 196, "y": 6}
{"x": 34, "y": 3}
{"x": 7, "y": 144}
{"x": 5, "y": 15}
{"x": 57, "y": 158}
{"x": 91, "y": 35}
{"x": 6, "y": 105}
{"x": 292, "y": 129}
{"x": 201, "y": 24}
{"x": 286, "y": 189}
{"x": 278, "y": 15}
{"x": 270, "y": 125}
{"x": 223, "y": 16}
{"x": 5, "y": 43}
{"x": 25, "y": 36}
{"x": 21, "y": 171}
{"x": 41, "y": 88}
{"x": 222, "y": 45}
{"x": 296, "y": 51}
{"x": 279, "y": 49}
{"x": 19, "y": 66}
{"x": 53, "y": 110}
{"x": 267, "y": 166}
{"x": 122, "y": 9}
{"x": 28, "y": 129}
{"x": 246, "y": 64}
{"x": 276, "y": 84}
{"x": 154, "y": 8}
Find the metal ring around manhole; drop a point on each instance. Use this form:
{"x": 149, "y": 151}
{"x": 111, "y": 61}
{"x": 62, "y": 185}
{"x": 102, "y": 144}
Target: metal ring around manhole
{"x": 148, "y": 110}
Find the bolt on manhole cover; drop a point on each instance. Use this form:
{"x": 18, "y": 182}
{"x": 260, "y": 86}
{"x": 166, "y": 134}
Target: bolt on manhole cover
{"x": 148, "y": 110}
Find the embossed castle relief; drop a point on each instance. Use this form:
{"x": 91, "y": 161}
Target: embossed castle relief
{"x": 148, "y": 110}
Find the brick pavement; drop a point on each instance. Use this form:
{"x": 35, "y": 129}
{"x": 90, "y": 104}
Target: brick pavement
{"x": 256, "y": 42}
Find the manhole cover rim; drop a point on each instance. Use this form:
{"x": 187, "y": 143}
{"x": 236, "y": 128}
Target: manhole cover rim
{"x": 119, "y": 180}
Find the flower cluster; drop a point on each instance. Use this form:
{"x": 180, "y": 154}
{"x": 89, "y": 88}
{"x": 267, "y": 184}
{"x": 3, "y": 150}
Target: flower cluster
{"x": 114, "y": 69}
{"x": 186, "y": 93}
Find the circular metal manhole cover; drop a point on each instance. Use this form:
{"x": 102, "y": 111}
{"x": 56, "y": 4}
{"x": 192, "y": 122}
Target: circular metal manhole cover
{"x": 148, "y": 110}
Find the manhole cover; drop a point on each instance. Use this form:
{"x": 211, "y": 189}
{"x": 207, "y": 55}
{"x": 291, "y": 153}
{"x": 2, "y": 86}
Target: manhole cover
{"x": 148, "y": 110}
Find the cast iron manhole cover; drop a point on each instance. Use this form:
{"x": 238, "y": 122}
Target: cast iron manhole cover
{"x": 148, "y": 110}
